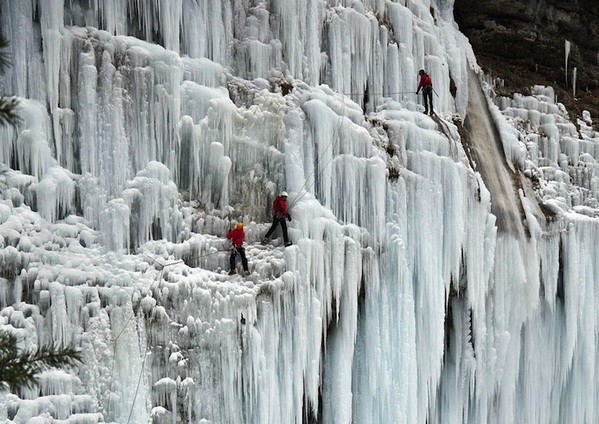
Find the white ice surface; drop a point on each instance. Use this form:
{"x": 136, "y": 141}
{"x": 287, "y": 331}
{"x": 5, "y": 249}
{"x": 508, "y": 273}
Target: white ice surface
{"x": 149, "y": 128}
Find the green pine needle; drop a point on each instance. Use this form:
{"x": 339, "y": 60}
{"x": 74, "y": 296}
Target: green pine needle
{"x": 8, "y": 111}
{"x": 4, "y": 55}
{"x": 8, "y": 105}
{"x": 19, "y": 369}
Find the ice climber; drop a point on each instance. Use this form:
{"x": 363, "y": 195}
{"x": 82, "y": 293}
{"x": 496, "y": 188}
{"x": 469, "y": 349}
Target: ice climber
{"x": 236, "y": 236}
{"x": 279, "y": 215}
{"x": 427, "y": 90}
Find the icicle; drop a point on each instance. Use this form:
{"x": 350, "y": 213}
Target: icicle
{"x": 567, "y": 54}
{"x": 574, "y": 82}
{"x": 87, "y": 110}
{"x": 55, "y": 194}
{"x": 34, "y": 155}
{"x": 114, "y": 225}
{"x": 114, "y": 16}
{"x": 169, "y": 19}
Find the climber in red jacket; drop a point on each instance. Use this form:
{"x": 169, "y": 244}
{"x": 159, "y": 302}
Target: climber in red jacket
{"x": 427, "y": 90}
{"x": 279, "y": 215}
{"x": 236, "y": 236}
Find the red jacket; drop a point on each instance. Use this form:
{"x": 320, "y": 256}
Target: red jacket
{"x": 236, "y": 236}
{"x": 279, "y": 207}
{"x": 425, "y": 80}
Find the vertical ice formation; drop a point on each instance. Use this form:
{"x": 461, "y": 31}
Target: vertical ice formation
{"x": 567, "y": 46}
{"x": 150, "y": 126}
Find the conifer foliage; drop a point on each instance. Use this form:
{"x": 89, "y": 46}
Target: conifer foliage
{"x": 8, "y": 105}
{"x": 19, "y": 368}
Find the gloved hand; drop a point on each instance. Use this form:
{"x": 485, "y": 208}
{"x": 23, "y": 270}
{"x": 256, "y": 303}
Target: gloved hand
{"x": 417, "y": 91}
{"x": 288, "y": 217}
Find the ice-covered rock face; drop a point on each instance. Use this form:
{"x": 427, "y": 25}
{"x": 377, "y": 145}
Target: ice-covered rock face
{"x": 150, "y": 128}
{"x": 215, "y": 117}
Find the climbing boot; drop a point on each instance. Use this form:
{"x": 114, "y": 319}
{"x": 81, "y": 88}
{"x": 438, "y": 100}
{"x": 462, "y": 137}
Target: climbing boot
{"x": 288, "y": 243}
{"x": 264, "y": 241}
{"x": 246, "y": 272}
{"x": 233, "y": 272}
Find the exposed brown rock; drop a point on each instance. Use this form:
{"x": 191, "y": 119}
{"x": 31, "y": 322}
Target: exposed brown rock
{"x": 523, "y": 43}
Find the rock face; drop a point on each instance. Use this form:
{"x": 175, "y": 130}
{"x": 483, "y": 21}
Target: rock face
{"x": 523, "y": 43}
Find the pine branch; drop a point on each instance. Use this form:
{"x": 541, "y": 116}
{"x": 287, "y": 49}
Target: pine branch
{"x": 8, "y": 111}
{"x": 4, "y": 56}
{"x": 19, "y": 369}
{"x": 8, "y": 105}
{"x": 16, "y": 375}
{"x": 52, "y": 357}
{"x": 8, "y": 344}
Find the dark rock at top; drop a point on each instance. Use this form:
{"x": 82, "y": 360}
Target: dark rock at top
{"x": 523, "y": 43}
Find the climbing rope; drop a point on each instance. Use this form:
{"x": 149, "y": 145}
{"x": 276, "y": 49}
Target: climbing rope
{"x": 379, "y": 94}
{"x": 335, "y": 139}
{"x": 114, "y": 341}
{"x": 298, "y": 197}
{"x": 143, "y": 364}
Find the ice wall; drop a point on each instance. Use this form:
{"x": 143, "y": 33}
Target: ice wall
{"x": 149, "y": 128}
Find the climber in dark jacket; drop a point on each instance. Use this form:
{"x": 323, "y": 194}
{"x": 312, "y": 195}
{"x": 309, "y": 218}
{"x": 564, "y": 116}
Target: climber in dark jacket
{"x": 427, "y": 90}
{"x": 236, "y": 236}
{"x": 279, "y": 215}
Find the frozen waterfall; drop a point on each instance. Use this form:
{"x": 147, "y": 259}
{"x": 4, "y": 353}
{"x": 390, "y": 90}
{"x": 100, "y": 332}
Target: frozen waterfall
{"x": 443, "y": 269}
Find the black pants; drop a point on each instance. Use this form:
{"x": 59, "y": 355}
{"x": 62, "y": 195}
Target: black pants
{"x": 427, "y": 93}
{"x": 272, "y": 228}
{"x": 244, "y": 261}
